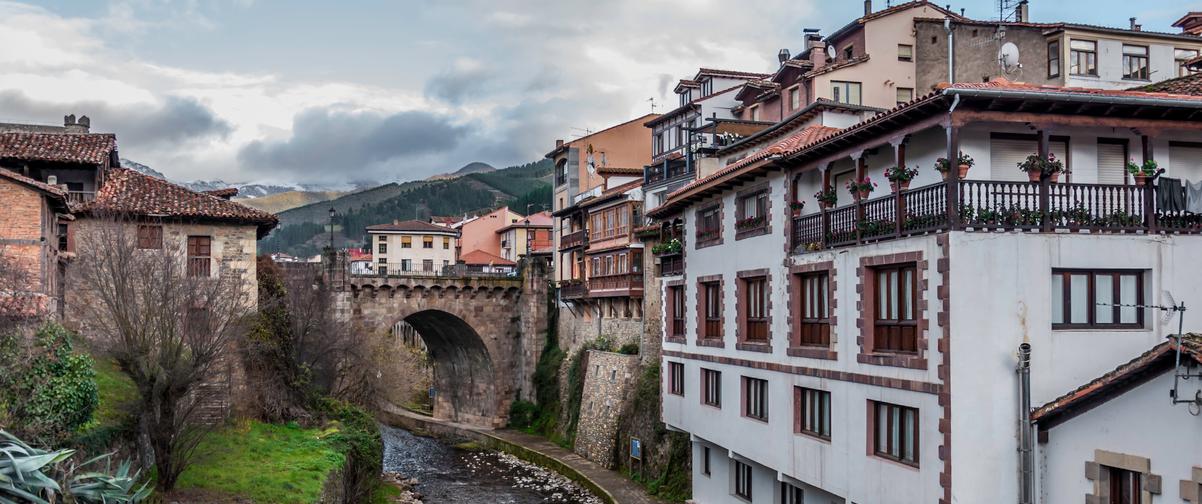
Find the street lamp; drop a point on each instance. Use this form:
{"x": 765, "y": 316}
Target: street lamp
{"x": 331, "y": 229}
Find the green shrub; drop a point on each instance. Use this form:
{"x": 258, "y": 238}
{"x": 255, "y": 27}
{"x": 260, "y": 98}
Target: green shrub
{"x": 629, "y": 349}
{"x": 25, "y": 476}
{"x": 522, "y": 414}
{"x": 46, "y": 388}
{"x": 359, "y": 437}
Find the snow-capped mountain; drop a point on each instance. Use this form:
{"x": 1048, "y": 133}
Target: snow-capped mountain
{"x": 245, "y": 189}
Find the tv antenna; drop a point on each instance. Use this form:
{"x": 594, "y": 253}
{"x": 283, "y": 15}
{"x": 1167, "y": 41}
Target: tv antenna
{"x": 652, "y": 101}
{"x": 1006, "y": 10}
{"x": 1180, "y": 373}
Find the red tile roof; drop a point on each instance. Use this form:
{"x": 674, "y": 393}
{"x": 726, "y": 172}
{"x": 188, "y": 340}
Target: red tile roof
{"x": 444, "y": 219}
{"x": 1160, "y": 358}
{"x": 128, "y": 192}
{"x": 226, "y": 193}
{"x": 412, "y": 226}
{"x": 358, "y": 255}
{"x": 787, "y": 145}
{"x": 731, "y": 73}
{"x": 482, "y": 258}
{"x": 620, "y": 171}
{"x": 92, "y": 148}
{"x": 1186, "y": 85}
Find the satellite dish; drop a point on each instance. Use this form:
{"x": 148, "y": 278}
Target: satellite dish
{"x": 1007, "y": 58}
{"x": 831, "y": 52}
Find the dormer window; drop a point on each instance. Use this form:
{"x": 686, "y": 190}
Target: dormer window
{"x": 707, "y": 87}
{"x": 848, "y": 52}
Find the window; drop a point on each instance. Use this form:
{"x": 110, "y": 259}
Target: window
{"x": 676, "y": 378}
{"x": 755, "y": 302}
{"x": 382, "y": 269}
{"x": 676, "y": 311}
{"x": 814, "y": 325}
{"x": 428, "y": 242}
{"x": 742, "y": 480}
{"x": 1125, "y": 486}
{"x": 904, "y": 95}
{"x": 795, "y": 98}
{"x": 1083, "y": 57}
{"x": 896, "y": 326}
{"x": 427, "y": 265}
{"x": 813, "y": 410}
{"x": 1181, "y": 57}
{"x": 383, "y": 261}
{"x": 406, "y": 265}
{"x": 446, "y": 243}
{"x": 1135, "y": 62}
{"x": 709, "y": 225}
{"x": 382, "y": 247}
{"x": 1096, "y": 299}
{"x": 705, "y": 460}
{"x": 849, "y": 52}
{"x": 755, "y": 398}
{"x": 753, "y": 210}
{"x": 149, "y": 237}
{"x": 790, "y": 494}
{"x": 711, "y": 385}
{"x": 199, "y": 255}
{"x": 905, "y": 52}
{"x": 845, "y": 92}
{"x": 1054, "y": 59}
{"x": 755, "y": 112}
{"x": 711, "y": 298}
{"x": 895, "y": 432}
{"x": 406, "y": 242}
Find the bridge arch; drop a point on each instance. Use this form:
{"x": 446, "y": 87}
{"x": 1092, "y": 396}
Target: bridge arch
{"x": 464, "y": 375}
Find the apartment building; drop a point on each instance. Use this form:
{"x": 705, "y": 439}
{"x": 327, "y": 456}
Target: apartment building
{"x": 480, "y": 232}
{"x": 529, "y": 236}
{"x": 1058, "y": 54}
{"x": 867, "y": 351}
{"x": 411, "y": 246}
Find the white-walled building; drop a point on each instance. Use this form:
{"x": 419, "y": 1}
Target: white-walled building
{"x": 860, "y": 353}
{"x": 411, "y": 246}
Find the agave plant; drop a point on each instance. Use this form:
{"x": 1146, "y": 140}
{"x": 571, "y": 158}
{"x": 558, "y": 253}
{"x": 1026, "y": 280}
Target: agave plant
{"x": 22, "y": 471}
{"x": 24, "y": 478}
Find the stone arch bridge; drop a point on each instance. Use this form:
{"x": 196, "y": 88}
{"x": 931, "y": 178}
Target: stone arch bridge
{"x": 484, "y": 334}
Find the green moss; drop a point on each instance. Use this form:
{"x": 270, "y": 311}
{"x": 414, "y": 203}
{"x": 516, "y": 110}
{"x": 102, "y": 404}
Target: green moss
{"x": 117, "y": 394}
{"x": 265, "y": 463}
{"x": 385, "y": 494}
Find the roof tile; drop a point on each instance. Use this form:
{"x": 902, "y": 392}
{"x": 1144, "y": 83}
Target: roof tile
{"x": 93, "y": 148}
{"x": 129, "y": 192}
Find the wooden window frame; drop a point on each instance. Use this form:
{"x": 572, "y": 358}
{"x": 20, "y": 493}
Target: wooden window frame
{"x": 406, "y": 242}
{"x": 428, "y": 242}
{"x": 710, "y": 296}
{"x": 382, "y": 247}
{"x": 1075, "y": 54}
{"x": 1054, "y": 55}
{"x": 676, "y": 311}
{"x": 743, "y": 473}
{"x": 755, "y": 404}
{"x": 884, "y": 328}
{"x": 200, "y": 256}
{"x": 1147, "y": 68}
{"x": 705, "y": 461}
{"x": 676, "y": 378}
{"x": 884, "y": 450}
{"x": 711, "y": 387}
{"x": 1091, "y": 311}
{"x": 813, "y": 331}
{"x": 150, "y": 237}
{"x": 791, "y": 494}
{"x": 755, "y": 328}
{"x": 709, "y": 225}
{"x": 808, "y": 417}
{"x": 761, "y": 207}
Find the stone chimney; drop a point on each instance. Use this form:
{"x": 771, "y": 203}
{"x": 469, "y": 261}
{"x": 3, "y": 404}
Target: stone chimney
{"x": 558, "y": 143}
{"x": 1134, "y": 26}
{"x": 867, "y": 7}
{"x": 1022, "y": 13}
{"x": 76, "y": 127}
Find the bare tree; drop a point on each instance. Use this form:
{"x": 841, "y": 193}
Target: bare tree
{"x": 167, "y": 322}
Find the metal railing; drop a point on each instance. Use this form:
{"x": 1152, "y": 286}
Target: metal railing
{"x": 398, "y": 270}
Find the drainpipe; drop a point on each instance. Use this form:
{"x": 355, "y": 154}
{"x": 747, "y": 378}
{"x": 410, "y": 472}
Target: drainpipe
{"x": 951, "y": 51}
{"x": 1026, "y": 450}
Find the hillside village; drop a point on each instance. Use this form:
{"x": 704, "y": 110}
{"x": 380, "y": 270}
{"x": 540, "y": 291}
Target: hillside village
{"x": 900, "y": 267}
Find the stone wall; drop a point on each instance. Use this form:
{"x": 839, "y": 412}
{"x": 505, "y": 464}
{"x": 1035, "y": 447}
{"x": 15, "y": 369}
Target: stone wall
{"x": 608, "y": 383}
{"x": 580, "y": 323}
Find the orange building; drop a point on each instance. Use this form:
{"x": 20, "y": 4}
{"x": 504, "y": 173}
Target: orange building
{"x": 480, "y": 233}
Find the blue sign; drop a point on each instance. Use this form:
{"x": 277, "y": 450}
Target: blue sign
{"x": 636, "y": 449}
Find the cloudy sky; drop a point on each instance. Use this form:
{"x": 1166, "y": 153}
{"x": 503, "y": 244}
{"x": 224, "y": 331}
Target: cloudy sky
{"x": 325, "y": 92}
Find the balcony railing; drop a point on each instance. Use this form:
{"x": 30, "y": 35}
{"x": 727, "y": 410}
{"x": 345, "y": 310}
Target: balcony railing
{"x": 657, "y": 173}
{"x": 625, "y": 284}
{"x": 77, "y": 197}
{"x": 573, "y": 240}
{"x": 992, "y": 206}
{"x": 573, "y": 290}
{"x": 540, "y": 245}
{"x": 436, "y": 271}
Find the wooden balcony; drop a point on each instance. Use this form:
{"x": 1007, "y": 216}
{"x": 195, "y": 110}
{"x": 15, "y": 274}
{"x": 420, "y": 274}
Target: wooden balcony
{"x": 626, "y": 284}
{"x": 573, "y": 290}
{"x": 575, "y": 239}
{"x": 992, "y": 206}
{"x": 671, "y": 264}
{"x": 80, "y": 197}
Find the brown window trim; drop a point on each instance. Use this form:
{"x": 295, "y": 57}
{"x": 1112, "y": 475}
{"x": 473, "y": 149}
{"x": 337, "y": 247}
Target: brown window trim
{"x": 874, "y": 445}
{"x": 796, "y": 322}
{"x": 705, "y": 388}
{"x": 150, "y": 236}
{"x": 800, "y": 412}
{"x": 676, "y": 326}
{"x": 709, "y": 236}
{"x": 1091, "y": 312}
{"x": 710, "y": 331}
{"x": 745, "y": 384}
{"x": 747, "y": 325}
{"x": 866, "y": 306}
{"x": 200, "y": 256}
{"x": 763, "y": 225}
{"x": 676, "y": 378}
{"x": 1056, "y": 56}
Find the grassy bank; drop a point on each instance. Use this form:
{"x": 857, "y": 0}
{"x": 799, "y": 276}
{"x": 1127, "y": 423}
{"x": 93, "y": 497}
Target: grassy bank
{"x": 265, "y": 463}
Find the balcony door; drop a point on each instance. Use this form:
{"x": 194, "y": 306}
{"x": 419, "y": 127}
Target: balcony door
{"x": 1006, "y": 151}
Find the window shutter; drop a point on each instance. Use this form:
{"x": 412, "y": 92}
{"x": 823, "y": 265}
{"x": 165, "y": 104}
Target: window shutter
{"x": 1112, "y": 163}
{"x": 1006, "y": 153}
{"x": 1185, "y": 162}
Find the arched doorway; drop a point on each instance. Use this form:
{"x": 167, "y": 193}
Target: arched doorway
{"x": 465, "y": 381}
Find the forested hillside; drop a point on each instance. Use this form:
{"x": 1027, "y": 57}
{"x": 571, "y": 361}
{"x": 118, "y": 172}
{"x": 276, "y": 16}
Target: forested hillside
{"x": 303, "y": 231}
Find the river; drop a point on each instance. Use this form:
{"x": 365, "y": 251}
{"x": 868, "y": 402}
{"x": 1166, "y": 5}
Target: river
{"x": 447, "y": 474}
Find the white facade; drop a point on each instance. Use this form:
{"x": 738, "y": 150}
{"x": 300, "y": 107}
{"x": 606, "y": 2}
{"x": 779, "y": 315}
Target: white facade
{"x": 412, "y": 251}
{"x": 1161, "y": 53}
{"x": 981, "y": 295}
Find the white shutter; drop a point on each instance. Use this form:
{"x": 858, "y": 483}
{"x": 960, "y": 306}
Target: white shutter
{"x": 839, "y": 182}
{"x": 1112, "y": 163}
{"x": 1185, "y": 162}
{"x": 1006, "y": 153}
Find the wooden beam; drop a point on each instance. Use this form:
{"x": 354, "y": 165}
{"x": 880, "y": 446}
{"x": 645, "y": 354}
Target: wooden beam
{"x": 964, "y": 117}
{"x": 876, "y": 140}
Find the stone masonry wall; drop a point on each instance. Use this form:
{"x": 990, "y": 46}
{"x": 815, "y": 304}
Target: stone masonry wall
{"x": 609, "y": 380}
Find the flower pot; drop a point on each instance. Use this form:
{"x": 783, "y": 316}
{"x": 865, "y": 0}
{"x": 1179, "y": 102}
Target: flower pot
{"x": 864, "y": 193}
{"x": 945, "y": 174}
{"x": 797, "y": 212}
{"x": 1140, "y": 179}
{"x": 964, "y": 171}
{"x": 1055, "y": 177}
{"x": 899, "y": 185}
{"x": 825, "y": 204}
{"x": 1033, "y": 175}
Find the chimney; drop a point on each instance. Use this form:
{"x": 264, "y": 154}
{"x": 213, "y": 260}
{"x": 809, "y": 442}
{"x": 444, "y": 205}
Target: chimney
{"x": 76, "y": 127}
{"x": 1135, "y": 26}
{"x": 1022, "y": 13}
{"x": 558, "y": 143}
{"x": 52, "y": 180}
{"x": 867, "y": 7}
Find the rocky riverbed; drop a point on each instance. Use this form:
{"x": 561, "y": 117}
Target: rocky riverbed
{"x": 436, "y": 472}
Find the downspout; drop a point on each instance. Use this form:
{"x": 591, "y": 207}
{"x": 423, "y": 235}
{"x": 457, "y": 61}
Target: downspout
{"x": 1026, "y": 449}
{"x": 951, "y": 50}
